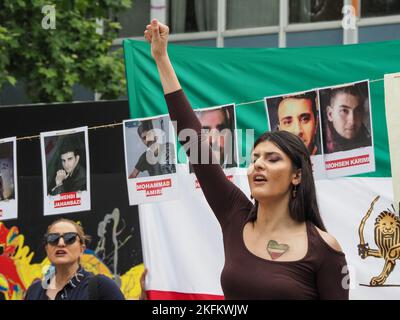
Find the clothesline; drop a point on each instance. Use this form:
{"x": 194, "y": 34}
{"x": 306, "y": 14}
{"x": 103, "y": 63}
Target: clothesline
{"x": 257, "y": 101}
{"x": 113, "y": 125}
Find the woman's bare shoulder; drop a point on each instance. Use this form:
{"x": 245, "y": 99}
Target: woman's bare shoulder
{"x": 330, "y": 240}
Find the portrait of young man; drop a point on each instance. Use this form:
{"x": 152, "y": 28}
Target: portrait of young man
{"x": 158, "y": 157}
{"x": 346, "y": 117}
{"x": 218, "y": 124}
{"x": 66, "y": 166}
{"x": 297, "y": 114}
{"x": 7, "y": 184}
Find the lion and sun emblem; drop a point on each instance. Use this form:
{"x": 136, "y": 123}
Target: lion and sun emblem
{"x": 387, "y": 240}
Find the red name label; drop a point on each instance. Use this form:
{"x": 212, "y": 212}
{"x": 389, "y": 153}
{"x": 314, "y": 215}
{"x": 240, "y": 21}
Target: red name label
{"x": 347, "y": 162}
{"x": 69, "y": 199}
{"x": 197, "y": 184}
{"x": 153, "y": 188}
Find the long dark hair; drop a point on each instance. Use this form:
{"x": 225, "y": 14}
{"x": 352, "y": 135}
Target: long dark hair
{"x": 304, "y": 206}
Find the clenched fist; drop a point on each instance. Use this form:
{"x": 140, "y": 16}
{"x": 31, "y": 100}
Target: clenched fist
{"x": 156, "y": 34}
{"x": 60, "y": 177}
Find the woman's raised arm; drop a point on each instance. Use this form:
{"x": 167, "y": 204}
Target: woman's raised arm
{"x": 157, "y": 34}
{"x": 221, "y": 194}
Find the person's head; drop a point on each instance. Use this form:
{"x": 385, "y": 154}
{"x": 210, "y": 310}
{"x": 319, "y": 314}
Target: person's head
{"x": 298, "y": 115}
{"x": 281, "y": 168}
{"x": 146, "y": 133}
{"x": 65, "y": 242}
{"x": 69, "y": 161}
{"x": 216, "y": 123}
{"x": 69, "y": 156}
{"x": 346, "y": 111}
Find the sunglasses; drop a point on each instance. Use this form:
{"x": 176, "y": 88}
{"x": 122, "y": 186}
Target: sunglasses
{"x": 53, "y": 238}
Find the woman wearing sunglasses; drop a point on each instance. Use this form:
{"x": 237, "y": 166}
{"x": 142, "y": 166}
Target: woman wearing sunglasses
{"x": 67, "y": 280}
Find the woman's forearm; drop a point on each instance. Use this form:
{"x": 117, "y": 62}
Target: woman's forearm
{"x": 169, "y": 80}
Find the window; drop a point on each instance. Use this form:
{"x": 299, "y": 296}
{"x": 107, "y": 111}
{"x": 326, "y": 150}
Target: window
{"x": 379, "y": 33}
{"x": 373, "y": 8}
{"x": 198, "y": 43}
{"x": 315, "y": 38}
{"x": 251, "y": 13}
{"x": 301, "y": 11}
{"x": 134, "y": 20}
{"x": 192, "y": 15}
{"x": 256, "y": 41}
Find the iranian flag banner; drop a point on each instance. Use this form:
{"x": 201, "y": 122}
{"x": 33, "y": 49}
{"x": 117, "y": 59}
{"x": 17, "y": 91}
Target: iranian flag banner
{"x": 182, "y": 240}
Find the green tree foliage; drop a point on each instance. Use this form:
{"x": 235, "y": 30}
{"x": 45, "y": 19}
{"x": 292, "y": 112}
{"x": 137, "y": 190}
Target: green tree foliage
{"x": 6, "y": 41}
{"x": 77, "y": 51}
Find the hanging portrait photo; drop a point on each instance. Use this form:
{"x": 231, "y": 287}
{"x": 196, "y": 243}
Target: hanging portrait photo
{"x": 219, "y": 125}
{"x": 8, "y": 179}
{"x": 347, "y": 129}
{"x": 65, "y": 162}
{"x": 150, "y": 159}
{"x": 298, "y": 113}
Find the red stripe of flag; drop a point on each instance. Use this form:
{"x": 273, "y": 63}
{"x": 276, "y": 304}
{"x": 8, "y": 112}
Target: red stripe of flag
{"x": 171, "y": 295}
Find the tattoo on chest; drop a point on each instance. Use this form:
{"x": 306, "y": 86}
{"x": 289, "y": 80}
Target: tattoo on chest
{"x": 276, "y": 249}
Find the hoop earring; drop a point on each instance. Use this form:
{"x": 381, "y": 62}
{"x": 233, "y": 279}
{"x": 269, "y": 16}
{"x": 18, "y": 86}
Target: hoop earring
{"x": 294, "y": 191}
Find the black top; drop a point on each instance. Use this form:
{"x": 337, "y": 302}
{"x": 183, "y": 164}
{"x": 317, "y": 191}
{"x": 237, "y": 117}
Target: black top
{"x": 75, "y": 182}
{"x": 320, "y": 274}
{"x": 335, "y": 142}
{"x": 78, "y": 288}
{"x": 163, "y": 164}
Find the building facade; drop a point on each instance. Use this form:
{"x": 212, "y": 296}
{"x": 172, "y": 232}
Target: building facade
{"x": 253, "y": 23}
